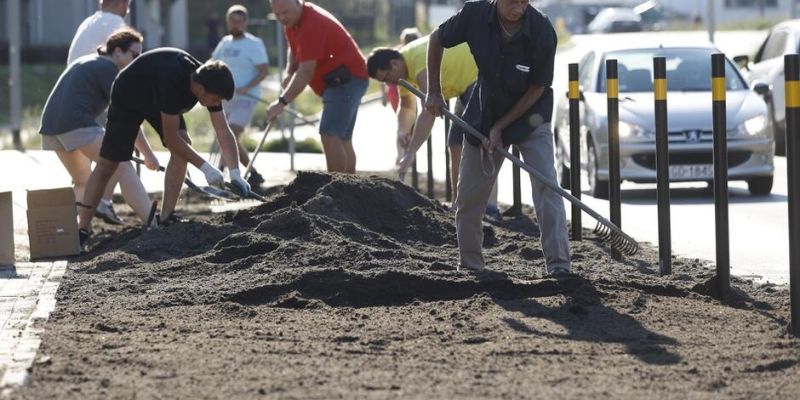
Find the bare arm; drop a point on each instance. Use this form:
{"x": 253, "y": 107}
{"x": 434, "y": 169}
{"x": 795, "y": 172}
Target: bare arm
{"x": 227, "y": 142}
{"x": 531, "y": 96}
{"x": 291, "y": 68}
{"x": 434, "y": 102}
{"x": 296, "y": 84}
{"x": 406, "y": 115}
{"x": 424, "y": 123}
{"x": 422, "y": 131}
{"x": 301, "y": 78}
{"x": 176, "y": 144}
{"x": 522, "y": 105}
{"x": 143, "y": 146}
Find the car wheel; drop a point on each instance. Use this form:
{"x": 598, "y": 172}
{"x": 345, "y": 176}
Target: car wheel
{"x": 760, "y": 185}
{"x": 597, "y": 187}
{"x": 778, "y": 132}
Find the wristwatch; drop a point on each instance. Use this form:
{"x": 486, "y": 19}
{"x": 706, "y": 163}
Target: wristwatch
{"x": 283, "y": 101}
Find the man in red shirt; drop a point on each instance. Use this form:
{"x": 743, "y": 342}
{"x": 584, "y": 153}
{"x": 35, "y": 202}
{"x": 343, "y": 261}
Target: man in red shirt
{"x": 323, "y": 55}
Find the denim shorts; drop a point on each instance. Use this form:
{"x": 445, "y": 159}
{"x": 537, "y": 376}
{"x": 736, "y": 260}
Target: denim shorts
{"x": 340, "y": 108}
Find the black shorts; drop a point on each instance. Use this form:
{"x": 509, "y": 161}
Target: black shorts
{"x": 122, "y": 128}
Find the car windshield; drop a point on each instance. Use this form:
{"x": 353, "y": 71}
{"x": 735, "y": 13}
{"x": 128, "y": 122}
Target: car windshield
{"x": 688, "y": 70}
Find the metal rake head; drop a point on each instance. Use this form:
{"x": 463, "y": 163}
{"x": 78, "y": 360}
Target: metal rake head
{"x": 617, "y": 241}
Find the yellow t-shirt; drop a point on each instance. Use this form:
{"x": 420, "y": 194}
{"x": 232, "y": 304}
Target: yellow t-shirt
{"x": 458, "y": 67}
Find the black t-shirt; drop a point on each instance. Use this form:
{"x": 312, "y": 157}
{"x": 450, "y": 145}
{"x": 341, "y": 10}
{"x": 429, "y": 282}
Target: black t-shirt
{"x": 505, "y": 68}
{"x": 157, "y": 81}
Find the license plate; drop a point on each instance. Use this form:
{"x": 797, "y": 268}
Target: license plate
{"x": 685, "y": 172}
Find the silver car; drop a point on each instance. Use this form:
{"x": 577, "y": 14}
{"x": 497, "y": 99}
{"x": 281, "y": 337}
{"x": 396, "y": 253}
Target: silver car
{"x": 750, "y": 141}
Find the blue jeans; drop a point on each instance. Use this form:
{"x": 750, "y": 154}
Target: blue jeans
{"x": 340, "y": 108}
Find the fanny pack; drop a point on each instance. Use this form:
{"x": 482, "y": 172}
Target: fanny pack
{"x": 337, "y": 77}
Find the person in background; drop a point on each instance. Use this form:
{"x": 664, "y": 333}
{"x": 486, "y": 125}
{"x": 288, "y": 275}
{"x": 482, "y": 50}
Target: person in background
{"x": 69, "y": 125}
{"x": 514, "y": 47}
{"x": 392, "y": 96}
{"x": 93, "y": 32}
{"x": 459, "y": 73}
{"x": 95, "y": 29}
{"x": 390, "y": 93}
{"x": 159, "y": 87}
{"x": 246, "y": 56}
{"x": 334, "y": 68}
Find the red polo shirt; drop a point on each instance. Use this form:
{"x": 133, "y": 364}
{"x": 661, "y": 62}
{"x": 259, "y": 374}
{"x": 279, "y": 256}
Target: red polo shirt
{"x": 320, "y": 36}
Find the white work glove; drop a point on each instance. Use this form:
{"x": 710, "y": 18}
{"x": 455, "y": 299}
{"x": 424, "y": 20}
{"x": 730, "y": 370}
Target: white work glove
{"x": 240, "y": 185}
{"x": 213, "y": 176}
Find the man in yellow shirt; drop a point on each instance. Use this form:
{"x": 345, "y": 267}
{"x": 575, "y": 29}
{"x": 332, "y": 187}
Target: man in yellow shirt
{"x": 459, "y": 73}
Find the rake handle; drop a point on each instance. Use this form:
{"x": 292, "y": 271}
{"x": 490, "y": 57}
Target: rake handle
{"x": 536, "y": 174}
{"x": 289, "y": 110}
{"x": 258, "y": 150}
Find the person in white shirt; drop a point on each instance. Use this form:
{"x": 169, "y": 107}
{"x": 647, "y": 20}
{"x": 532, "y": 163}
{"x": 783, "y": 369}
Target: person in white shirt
{"x": 246, "y": 57}
{"x": 91, "y": 33}
{"x": 95, "y": 29}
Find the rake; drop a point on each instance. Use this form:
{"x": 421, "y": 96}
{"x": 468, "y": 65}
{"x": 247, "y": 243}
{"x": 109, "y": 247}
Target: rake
{"x": 605, "y": 229}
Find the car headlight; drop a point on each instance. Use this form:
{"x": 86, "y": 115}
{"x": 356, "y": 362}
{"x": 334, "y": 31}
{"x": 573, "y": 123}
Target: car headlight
{"x": 752, "y": 127}
{"x": 629, "y": 131}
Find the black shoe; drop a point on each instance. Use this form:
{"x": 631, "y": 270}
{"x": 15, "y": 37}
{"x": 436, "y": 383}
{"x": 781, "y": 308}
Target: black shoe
{"x": 255, "y": 179}
{"x": 83, "y": 237}
{"x": 172, "y": 218}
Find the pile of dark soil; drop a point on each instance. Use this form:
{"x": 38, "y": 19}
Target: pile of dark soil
{"x": 343, "y": 286}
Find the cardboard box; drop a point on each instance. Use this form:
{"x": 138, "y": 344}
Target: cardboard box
{"x": 53, "y": 223}
{"x": 6, "y": 229}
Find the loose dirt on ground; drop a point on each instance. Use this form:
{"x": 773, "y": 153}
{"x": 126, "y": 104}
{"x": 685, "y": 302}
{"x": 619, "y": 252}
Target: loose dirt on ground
{"x": 345, "y": 287}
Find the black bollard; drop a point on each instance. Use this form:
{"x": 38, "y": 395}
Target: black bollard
{"x": 718, "y": 92}
{"x": 138, "y": 166}
{"x": 575, "y": 148}
{"x": 516, "y": 209}
{"x": 448, "y": 191}
{"x": 430, "y": 166}
{"x": 612, "y": 92}
{"x": 792, "y": 71}
{"x": 662, "y": 165}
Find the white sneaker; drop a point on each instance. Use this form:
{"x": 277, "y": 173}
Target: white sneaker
{"x": 106, "y": 212}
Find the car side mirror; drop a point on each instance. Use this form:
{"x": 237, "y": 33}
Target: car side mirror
{"x": 742, "y": 61}
{"x": 761, "y": 88}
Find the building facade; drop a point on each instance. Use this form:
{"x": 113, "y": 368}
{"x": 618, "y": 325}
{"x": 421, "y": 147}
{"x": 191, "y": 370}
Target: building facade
{"x": 48, "y": 25}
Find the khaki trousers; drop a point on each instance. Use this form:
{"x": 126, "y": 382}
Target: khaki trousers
{"x": 475, "y": 182}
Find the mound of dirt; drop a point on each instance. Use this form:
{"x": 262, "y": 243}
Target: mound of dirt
{"x": 346, "y": 286}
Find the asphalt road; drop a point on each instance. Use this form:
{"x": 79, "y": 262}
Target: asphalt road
{"x": 758, "y": 225}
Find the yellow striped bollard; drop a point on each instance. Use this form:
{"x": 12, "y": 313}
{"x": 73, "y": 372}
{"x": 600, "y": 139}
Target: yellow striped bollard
{"x": 575, "y": 148}
{"x": 792, "y": 74}
{"x": 662, "y": 165}
{"x": 718, "y": 93}
{"x": 612, "y": 93}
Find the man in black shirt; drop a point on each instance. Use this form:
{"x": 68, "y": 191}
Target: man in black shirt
{"x": 514, "y": 47}
{"x": 158, "y": 87}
